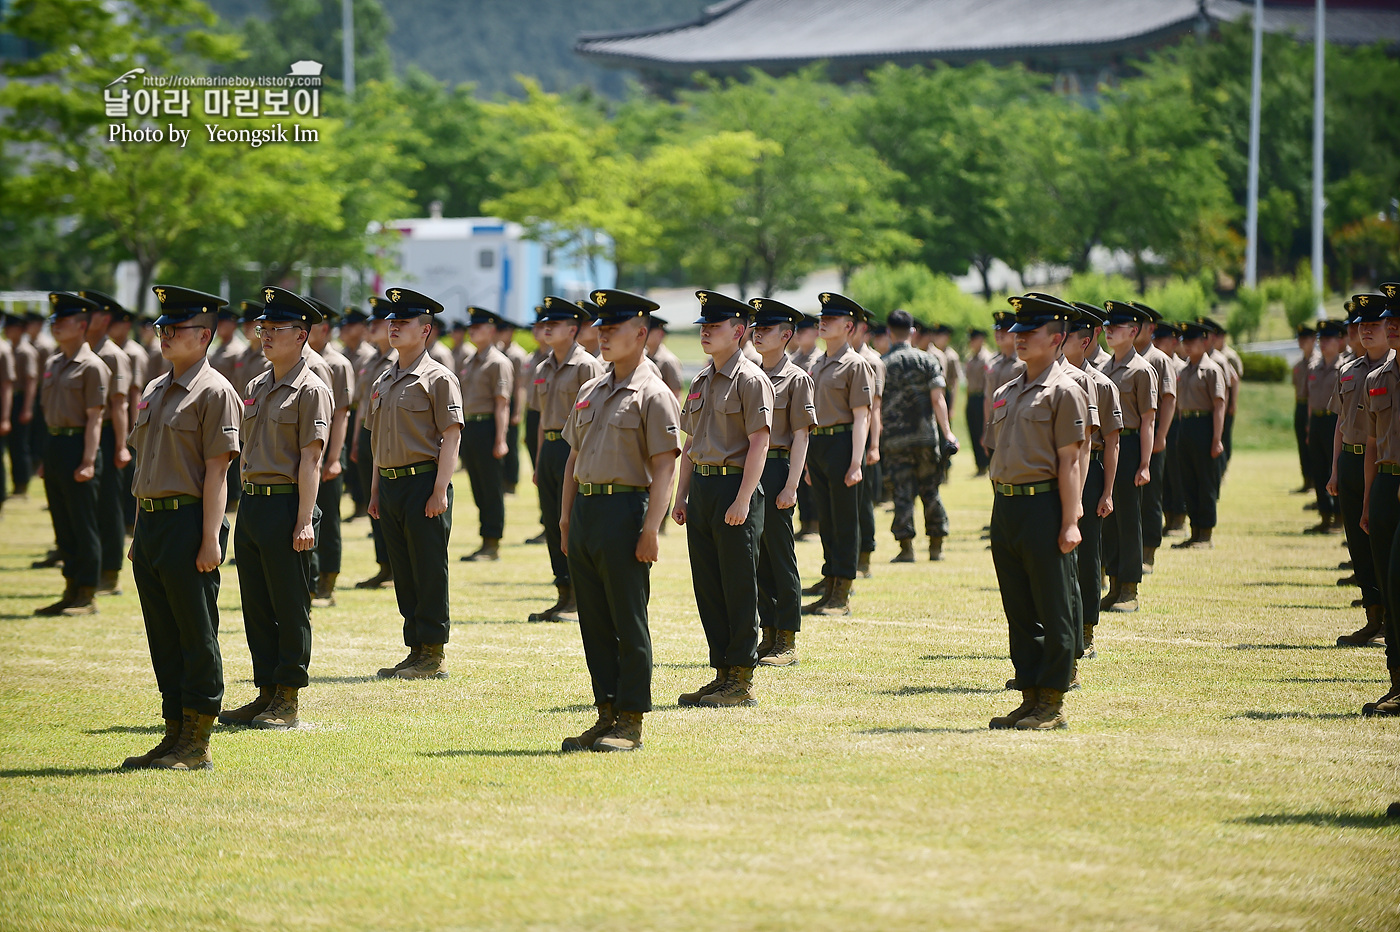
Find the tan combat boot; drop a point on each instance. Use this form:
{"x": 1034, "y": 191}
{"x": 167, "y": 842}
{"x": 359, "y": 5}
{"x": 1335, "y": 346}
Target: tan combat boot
{"x": 379, "y": 580}
{"x": 563, "y": 592}
{"x": 690, "y": 700}
{"x": 166, "y": 745}
{"x": 625, "y": 735}
{"x": 1090, "y": 651}
{"x": 808, "y": 529}
{"x": 1372, "y": 632}
{"x": 1111, "y": 595}
{"x": 109, "y": 583}
{"x": 1389, "y": 699}
{"x": 1149, "y": 560}
{"x": 1127, "y": 600}
{"x": 489, "y": 550}
{"x": 839, "y": 603}
{"x": 765, "y": 646}
{"x": 430, "y": 665}
{"x": 736, "y": 691}
{"x": 63, "y": 602}
{"x": 935, "y": 548}
{"x": 568, "y": 604}
{"x": 828, "y": 586}
{"x": 191, "y": 752}
{"x": 84, "y": 602}
{"x": 818, "y": 587}
{"x": 863, "y": 564}
{"x": 1049, "y": 712}
{"x": 906, "y": 552}
{"x": 245, "y": 714}
{"x": 325, "y": 591}
{"x": 281, "y": 714}
{"x": 413, "y": 651}
{"x": 784, "y": 652}
{"x": 1027, "y": 706}
{"x": 584, "y": 742}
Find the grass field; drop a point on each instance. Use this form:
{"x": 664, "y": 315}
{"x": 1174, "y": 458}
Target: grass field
{"x": 1215, "y": 774}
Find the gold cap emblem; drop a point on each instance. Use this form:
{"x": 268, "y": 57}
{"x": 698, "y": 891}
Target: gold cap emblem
{"x": 1016, "y": 303}
{"x": 1391, "y": 289}
{"x": 702, "y": 296}
{"x": 824, "y": 297}
{"x": 267, "y": 294}
{"x": 1363, "y": 299}
{"x": 53, "y": 299}
{"x": 395, "y": 294}
{"x": 599, "y": 298}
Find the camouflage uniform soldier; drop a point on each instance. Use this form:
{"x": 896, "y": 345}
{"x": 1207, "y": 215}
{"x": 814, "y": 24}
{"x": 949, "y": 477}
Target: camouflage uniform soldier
{"x": 914, "y": 448}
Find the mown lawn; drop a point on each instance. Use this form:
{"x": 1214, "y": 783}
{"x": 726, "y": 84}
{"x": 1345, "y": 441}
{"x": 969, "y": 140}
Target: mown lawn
{"x": 1215, "y": 775}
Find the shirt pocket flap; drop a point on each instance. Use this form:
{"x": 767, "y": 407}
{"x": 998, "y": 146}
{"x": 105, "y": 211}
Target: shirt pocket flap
{"x": 731, "y": 403}
{"x": 627, "y": 417}
{"x": 415, "y": 402}
{"x": 1381, "y": 402}
{"x": 1038, "y": 412}
{"x": 185, "y": 419}
{"x": 286, "y": 414}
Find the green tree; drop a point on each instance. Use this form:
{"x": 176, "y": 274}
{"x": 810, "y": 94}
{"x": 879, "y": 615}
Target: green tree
{"x": 818, "y": 194}
{"x": 457, "y": 147}
{"x": 146, "y": 198}
{"x": 296, "y": 30}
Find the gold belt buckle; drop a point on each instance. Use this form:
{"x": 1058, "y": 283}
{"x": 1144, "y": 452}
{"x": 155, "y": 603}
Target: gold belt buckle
{"x": 148, "y": 505}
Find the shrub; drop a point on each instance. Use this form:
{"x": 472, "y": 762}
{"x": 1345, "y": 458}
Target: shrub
{"x": 1259, "y": 367}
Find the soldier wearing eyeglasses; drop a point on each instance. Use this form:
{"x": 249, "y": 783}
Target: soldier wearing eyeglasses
{"x": 185, "y": 433}
{"x": 286, "y": 420}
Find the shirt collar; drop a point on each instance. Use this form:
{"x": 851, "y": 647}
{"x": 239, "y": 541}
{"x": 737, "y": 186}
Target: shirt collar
{"x": 192, "y": 373}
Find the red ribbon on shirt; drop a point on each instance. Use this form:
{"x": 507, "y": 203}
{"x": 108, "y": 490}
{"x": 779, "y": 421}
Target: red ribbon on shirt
{"x": 998, "y": 404}
{"x": 581, "y": 404}
{"x": 1379, "y": 391}
{"x": 539, "y": 381}
{"x": 692, "y": 396}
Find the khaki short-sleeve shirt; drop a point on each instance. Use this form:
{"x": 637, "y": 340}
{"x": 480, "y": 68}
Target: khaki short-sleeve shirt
{"x": 793, "y": 406}
{"x": 977, "y": 365}
{"x": 532, "y": 374}
{"x": 724, "y": 406}
{"x": 1091, "y": 396}
{"x": 342, "y": 377}
{"x": 375, "y": 364}
{"x": 486, "y": 376}
{"x": 8, "y": 369}
{"x": 669, "y": 365}
{"x": 72, "y": 385}
{"x": 250, "y": 366}
{"x": 1346, "y": 399}
{"x": 1031, "y": 420}
{"x": 409, "y": 409}
{"x": 118, "y": 366}
{"x": 1002, "y": 370}
{"x": 1231, "y": 376}
{"x": 227, "y": 358}
{"x": 1199, "y": 386}
{"x": 1110, "y": 408}
{"x": 616, "y": 427}
{"x": 136, "y": 355}
{"x": 27, "y": 362}
{"x": 805, "y": 359}
{"x": 556, "y": 384}
{"x": 877, "y": 366}
{"x": 840, "y": 384}
{"x": 180, "y": 423}
{"x": 1322, "y": 382}
{"x": 1382, "y": 414}
{"x": 1099, "y": 358}
{"x": 1161, "y": 364}
{"x": 1137, "y": 387}
{"x": 1300, "y": 381}
{"x": 280, "y": 419}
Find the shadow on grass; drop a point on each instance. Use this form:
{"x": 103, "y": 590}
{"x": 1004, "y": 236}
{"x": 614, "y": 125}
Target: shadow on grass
{"x": 683, "y": 666}
{"x": 571, "y": 708}
{"x": 493, "y": 752}
{"x": 127, "y": 730}
{"x": 963, "y": 657}
{"x": 1279, "y": 716}
{"x": 942, "y": 690}
{"x": 1282, "y": 647}
{"x": 12, "y": 773}
{"x": 347, "y": 679}
{"x": 1267, "y": 584}
{"x": 916, "y": 730}
{"x": 1313, "y": 607}
{"x": 1322, "y": 819}
{"x": 1323, "y": 679}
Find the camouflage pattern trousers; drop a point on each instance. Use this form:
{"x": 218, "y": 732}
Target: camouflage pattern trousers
{"x": 916, "y": 472}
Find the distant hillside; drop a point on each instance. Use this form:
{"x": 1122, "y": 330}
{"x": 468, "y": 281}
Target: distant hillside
{"x": 488, "y": 42}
